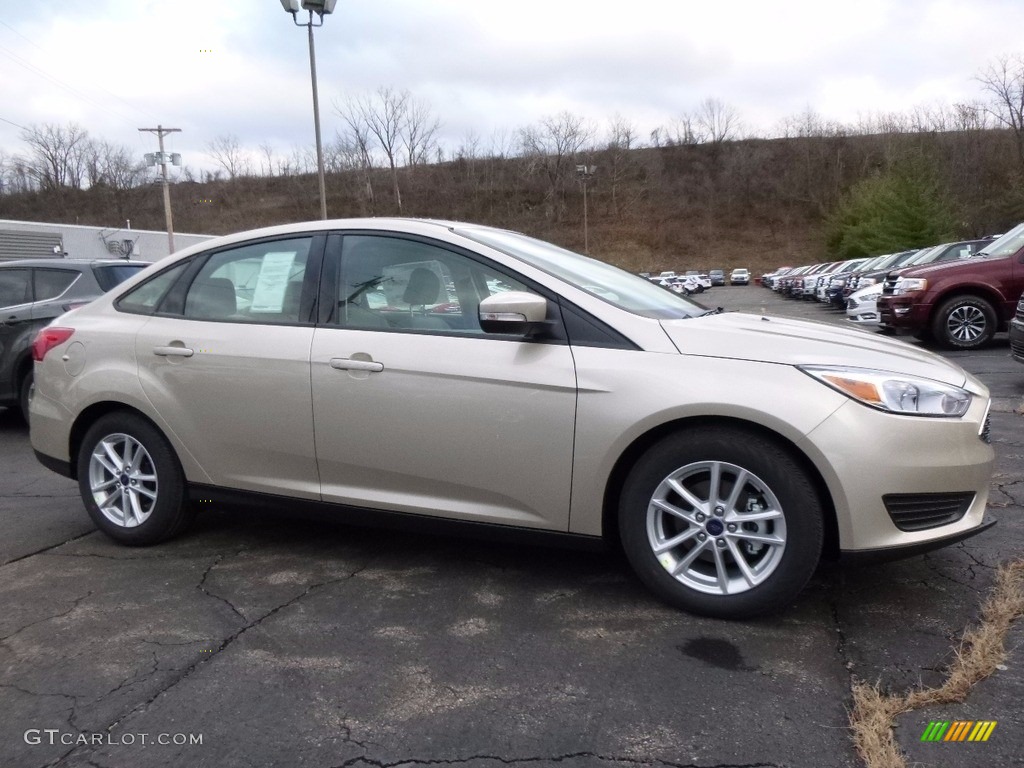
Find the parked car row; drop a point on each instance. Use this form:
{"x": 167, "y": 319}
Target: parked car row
{"x": 958, "y": 294}
{"x": 694, "y": 281}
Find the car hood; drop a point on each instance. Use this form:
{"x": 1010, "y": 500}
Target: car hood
{"x": 970, "y": 264}
{"x": 771, "y": 339}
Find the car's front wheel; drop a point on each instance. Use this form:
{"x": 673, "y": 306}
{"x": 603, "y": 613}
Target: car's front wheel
{"x": 964, "y": 322}
{"x": 131, "y": 481}
{"x": 721, "y": 522}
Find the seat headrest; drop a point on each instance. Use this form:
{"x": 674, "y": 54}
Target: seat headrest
{"x": 424, "y": 288}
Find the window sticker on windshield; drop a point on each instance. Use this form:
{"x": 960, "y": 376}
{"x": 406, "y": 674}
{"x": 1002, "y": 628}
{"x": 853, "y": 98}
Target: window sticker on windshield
{"x": 272, "y": 282}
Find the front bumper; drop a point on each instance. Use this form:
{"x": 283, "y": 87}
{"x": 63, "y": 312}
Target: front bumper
{"x": 902, "y": 313}
{"x": 865, "y": 455}
{"x": 1017, "y": 339}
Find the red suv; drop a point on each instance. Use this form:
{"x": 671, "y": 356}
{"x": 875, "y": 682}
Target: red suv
{"x": 962, "y": 303}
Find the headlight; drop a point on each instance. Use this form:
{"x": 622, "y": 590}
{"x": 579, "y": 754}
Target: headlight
{"x": 909, "y": 285}
{"x": 894, "y": 392}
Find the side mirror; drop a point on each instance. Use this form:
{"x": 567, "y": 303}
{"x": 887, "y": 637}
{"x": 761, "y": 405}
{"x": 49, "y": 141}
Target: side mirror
{"x": 512, "y": 312}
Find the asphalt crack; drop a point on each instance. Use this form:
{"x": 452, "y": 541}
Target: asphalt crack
{"x": 31, "y": 624}
{"x": 201, "y": 586}
{"x": 837, "y": 623}
{"x": 46, "y": 549}
{"x": 226, "y": 642}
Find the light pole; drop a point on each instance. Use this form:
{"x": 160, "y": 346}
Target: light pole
{"x": 585, "y": 172}
{"x": 321, "y": 8}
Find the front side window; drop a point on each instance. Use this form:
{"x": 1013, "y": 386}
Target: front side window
{"x": 15, "y": 287}
{"x": 51, "y": 283}
{"x": 393, "y": 283}
{"x": 258, "y": 283}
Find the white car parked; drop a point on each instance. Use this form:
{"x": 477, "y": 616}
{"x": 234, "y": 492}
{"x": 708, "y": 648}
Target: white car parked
{"x": 862, "y": 305}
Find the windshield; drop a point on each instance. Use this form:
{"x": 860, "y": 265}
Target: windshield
{"x": 1007, "y": 245}
{"x": 611, "y": 284}
{"x": 926, "y": 256}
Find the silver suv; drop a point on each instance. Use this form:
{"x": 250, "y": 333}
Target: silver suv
{"x": 32, "y": 293}
{"x": 407, "y": 370}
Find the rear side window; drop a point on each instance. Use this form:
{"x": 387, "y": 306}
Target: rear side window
{"x": 51, "y": 283}
{"x": 15, "y": 287}
{"x": 257, "y": 283}
{"x": 115, "y": 274}
{"x": 144, "y": 299}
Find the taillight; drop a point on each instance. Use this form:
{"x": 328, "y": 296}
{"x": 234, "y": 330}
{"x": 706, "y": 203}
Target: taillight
{"x": 47, "y": 339}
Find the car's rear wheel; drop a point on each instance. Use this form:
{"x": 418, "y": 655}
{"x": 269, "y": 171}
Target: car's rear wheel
{"x": 721, "y": 522}
{"x": 131, "y": 481}
{"x": 964, "y": 322}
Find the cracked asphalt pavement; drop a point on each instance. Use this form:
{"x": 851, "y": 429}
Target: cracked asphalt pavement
{"x": 288, "y": 642}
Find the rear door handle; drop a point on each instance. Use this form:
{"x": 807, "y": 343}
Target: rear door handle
{"x": 172, "y": 351}
{"x": 345, "y": 364}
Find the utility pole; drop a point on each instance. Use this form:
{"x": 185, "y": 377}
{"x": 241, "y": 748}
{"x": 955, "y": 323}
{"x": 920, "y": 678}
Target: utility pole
{"x": 585, "y": 172}
{"x": 164, "y": 158}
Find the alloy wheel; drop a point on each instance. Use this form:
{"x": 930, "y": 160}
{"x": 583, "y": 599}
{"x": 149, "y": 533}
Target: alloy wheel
{"x": 716, "y": 527}
{"x": 123, "y": 480}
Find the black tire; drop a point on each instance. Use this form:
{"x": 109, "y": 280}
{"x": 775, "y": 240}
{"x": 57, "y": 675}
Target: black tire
{"x": 964, "y": 322}
{"x": 162, "y": 517}
{"x": 781, "y": 571}
{"x": 24, "y": 390}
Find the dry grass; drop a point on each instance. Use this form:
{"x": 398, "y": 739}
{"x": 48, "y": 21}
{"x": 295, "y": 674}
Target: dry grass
{"x": 981, "y": 650}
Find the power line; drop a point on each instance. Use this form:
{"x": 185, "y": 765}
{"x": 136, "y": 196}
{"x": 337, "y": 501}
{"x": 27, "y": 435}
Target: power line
{"x": 11, "y": 122}
{"x": 71, "y": 89}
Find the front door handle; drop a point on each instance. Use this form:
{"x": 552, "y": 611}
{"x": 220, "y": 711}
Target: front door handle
{"x": 347, "y": 364}
{"x": 172, "y": 351}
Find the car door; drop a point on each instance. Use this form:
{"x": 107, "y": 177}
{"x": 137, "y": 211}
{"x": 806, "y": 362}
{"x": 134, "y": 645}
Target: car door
{"x": 416, "y": 409}
{"x": 15, "y": 319}
{"x": 225, "y": 363}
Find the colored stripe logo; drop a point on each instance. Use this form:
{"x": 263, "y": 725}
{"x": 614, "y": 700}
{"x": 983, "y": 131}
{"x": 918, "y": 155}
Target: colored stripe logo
{"x": 959, "y": 730}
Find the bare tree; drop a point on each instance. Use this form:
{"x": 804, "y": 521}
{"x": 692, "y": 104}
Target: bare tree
{"x": 682, "y": 130}
{"x": 551, "y": 147}
{"x": 355, "y": 138}
{"x": 228, "y": 154}
{"x": 618, "y": 157}
{"x": 970, "y": 116}
{"x": 267, "y": 161}
{"x": 419, "y": 131}
{"x": 114, "y": 166}
{"x": 381, "y": 118}
{"x": 716, "y": 121}
{"x": 1003, "y": 80}
{"x": 57, "y": 155}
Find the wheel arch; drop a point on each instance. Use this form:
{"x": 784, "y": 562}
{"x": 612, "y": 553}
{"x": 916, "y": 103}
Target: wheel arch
{"x": 90, "y": 416}
{"x": 974, "y": 290}
{"x": 633, "y": 452}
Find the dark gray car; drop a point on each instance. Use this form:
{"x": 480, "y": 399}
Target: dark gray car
{"x": 32, "y": 293}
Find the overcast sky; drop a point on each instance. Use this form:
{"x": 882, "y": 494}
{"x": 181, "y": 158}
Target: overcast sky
{"x": 242, "y": 68}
